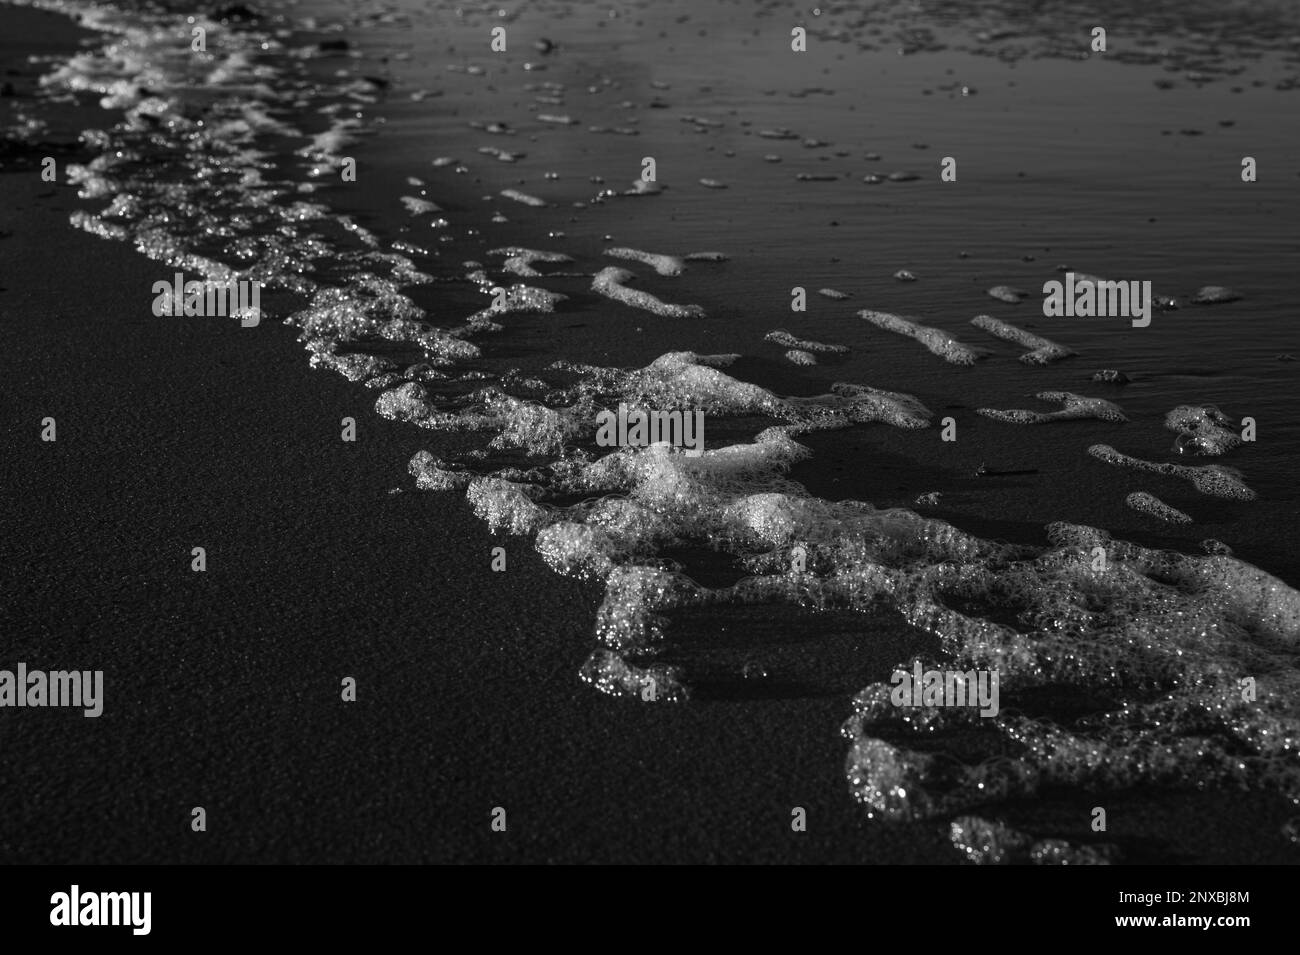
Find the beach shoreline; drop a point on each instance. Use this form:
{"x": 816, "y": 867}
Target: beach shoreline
{"x": 222, "y": 689}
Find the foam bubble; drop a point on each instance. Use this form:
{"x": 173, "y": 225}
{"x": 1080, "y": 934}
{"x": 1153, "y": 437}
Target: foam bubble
{"x": 1202, "y": 429}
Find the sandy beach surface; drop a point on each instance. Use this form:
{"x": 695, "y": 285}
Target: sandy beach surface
{"x": 324, "y": 562}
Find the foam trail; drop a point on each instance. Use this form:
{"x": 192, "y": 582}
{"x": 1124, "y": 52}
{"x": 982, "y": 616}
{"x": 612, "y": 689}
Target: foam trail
{"x": 986, "y": 842}
{"x": 523, "y": 197}
{"x": 418, "y": 207}
{"x": 1152, "y": 505}
{"x": 781, "y": 337}
{"x": 1215, "y": 294}
{"x": 520, "y": 260}
{"x": 1041, "y": 350}
{"x": 1008, "y": 294}
{"x": 517, "y": 298}
{"x": 1076, "y": 406}
{"x": 609, "y": 282}
{"x": 1212, "y": 479}
{"x": 941, "y": 343}
{"x": 663, "y": 264}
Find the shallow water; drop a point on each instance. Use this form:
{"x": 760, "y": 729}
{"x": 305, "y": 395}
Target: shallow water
{"x": 466, "y": 277}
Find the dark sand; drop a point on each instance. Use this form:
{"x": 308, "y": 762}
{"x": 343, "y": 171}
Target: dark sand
{"x": 222, "y": 688}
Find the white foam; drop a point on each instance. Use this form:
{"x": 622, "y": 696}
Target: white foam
{"x": 663, "y": 264}
{"x": 610, "y": 283}
{"x": 1041, "y": 350}
{"x": 1215, "y": 294}
{"x": 1076, "y": 406}
{"x": 939, "y": 342}
{"x": 1152, "y": 505}
{"x": 1212, "y": 479}
{"x": 1006, "y": 293}
{"x": 523, "y": 197}
{"x": 781, "y": 337}
{"x": 520, "y": 260}
{"x": 418, "y": 207}
{"x": 1202, "y": 429}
